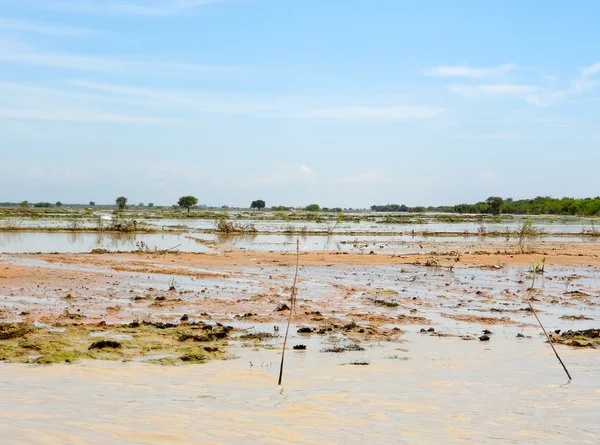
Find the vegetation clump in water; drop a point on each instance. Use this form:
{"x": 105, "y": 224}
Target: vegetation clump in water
{"x": 587, "y": 338}
{"x": 25, "y": 343}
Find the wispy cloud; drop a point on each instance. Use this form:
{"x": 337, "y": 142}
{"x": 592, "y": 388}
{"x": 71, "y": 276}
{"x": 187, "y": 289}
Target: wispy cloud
{"x": 531, "y": 94}
{"x": 288, "y": 174}
{"x": 24, "y": 101}
{"x": 77, "y": 115}
{"x": 539, "y": 96}
{"x": 373, "y": 112}
{"x": 467, "y": 71}
{"x": 588, "y": 79}
{"x": 474, "y": 91}
{"x": 10, "y": 24}
{"x": 131, "y": 7}
{"x": 305, "y": 171}
{"x": 275, "y": 107}
{"x": 22, "y": 53}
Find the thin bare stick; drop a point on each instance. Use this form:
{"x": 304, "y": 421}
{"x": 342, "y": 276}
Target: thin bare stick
{"x": 544, "y": 329}
{"x": 292, "y": 309}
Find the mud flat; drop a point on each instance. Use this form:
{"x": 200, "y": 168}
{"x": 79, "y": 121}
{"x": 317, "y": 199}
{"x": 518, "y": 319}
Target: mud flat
{"x": 387, "y": 347}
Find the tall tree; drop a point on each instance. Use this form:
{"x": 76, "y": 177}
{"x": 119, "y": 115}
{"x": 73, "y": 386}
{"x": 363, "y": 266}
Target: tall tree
{"x": 496, "y": 203}
{"x": 187, "y": 202}
{"x": 259, "y": 204}
{"x": 121, "y": 202}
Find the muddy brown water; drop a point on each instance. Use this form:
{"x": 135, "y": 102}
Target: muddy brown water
{"x": 78, "y": 242}
{"x": 425, "y": 391}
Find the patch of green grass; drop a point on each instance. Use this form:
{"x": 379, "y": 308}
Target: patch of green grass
{"x": 61, "y": 357}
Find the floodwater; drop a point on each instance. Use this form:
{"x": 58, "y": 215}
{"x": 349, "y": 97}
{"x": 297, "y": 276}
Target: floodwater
{"x": 422, "y": 389}
{"x": 557, "y": 225}
{"x": 425, "y": 391}
{"x": 80, "y": 242}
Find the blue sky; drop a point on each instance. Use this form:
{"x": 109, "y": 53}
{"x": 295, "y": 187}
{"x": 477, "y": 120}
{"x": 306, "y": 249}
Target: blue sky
{"x": 344, "y": 103}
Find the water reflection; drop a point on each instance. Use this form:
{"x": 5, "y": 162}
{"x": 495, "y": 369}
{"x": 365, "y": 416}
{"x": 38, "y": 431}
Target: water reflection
{"x": 69, "y": 242}
{"x": 74, "y": 242}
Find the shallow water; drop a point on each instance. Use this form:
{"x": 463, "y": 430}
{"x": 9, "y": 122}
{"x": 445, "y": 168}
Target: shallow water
{"x": 432, "y": 391}
{"x": 78, "y": 242}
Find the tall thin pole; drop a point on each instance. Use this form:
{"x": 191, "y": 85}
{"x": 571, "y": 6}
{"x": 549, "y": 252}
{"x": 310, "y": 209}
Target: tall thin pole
{"x": 292, "y": 310}
{"x": 544, "y": 329}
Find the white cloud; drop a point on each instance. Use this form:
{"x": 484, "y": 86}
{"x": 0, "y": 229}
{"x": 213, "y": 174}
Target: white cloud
{"x": 467, "y": 71}
{"x": 399, "y": 113}
{"x": 9, "y": 24}
{"x": 17, "y": 52}
{"x": 591, "y": 70}
{"x": 273, "y": 107}
{"x": 588, "y": 79}
{"x": 492, "y": 136}
{"x": 288, "y": 174}
{"x": 545, "y": 98}
{"x": 131, "y": 7}
{"x": 305, "y": 171}
{"x": 75, "y": 115}
{"x": 474, "y": 91}
{"x": 531, "y": 94}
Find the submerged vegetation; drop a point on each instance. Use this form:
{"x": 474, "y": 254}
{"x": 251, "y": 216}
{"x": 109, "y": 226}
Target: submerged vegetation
{"x": 175, "y": 343}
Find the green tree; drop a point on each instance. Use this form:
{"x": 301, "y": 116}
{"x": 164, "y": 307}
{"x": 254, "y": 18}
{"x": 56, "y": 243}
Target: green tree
{"x": 150, "y": 204}
{"x": 259, "y": 204}
{"x": 92, "y": 203}
{"x": 58, "y": 204}
{"x": 187, "y": 202}
{"x": 312, "y": 208}
{"x": 24, "y": 204}
{"x": 495, "y": 203}
{"x": 121, "y": 202}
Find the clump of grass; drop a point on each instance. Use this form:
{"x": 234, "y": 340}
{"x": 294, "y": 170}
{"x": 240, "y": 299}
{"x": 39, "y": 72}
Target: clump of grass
{"x": 305, "y": 330}
{"x": 359, "y": 363}
{"x": 282, "y": 307}
{"x": 384, "y": 303}
{"x": 223, "y": 225}
{"x": 60, "y": 357}
{"x": 193, "y": 356}
{"x": 258, "y": 336}
{"x": 350, "y": 326}
{"x": 9, "y": 331}
{"x": 105, "y": 344}
{"x": 525, "y": 233}
{"x": 337, "y": 349}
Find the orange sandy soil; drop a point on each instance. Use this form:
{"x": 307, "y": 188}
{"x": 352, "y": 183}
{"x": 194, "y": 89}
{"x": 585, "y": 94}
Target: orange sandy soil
{"x": 89, "y": 292}
{"x": 580, "y": 254}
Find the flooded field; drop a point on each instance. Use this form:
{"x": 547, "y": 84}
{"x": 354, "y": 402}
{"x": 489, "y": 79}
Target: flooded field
{"x": 431, "y": 391}
{"x": 396, "y": 338}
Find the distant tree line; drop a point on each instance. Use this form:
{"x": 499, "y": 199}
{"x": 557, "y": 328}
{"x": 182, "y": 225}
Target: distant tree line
{"x": 495, "y": 205}
{"x": 390, "y": 208}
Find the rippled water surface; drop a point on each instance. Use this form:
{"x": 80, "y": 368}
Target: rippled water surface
{"x": 430, "y": 391}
